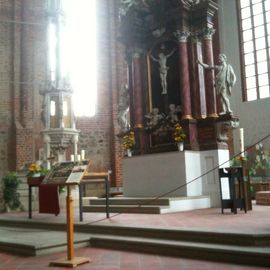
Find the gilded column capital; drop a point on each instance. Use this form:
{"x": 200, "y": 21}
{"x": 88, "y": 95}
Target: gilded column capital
{"x": 181, "y": 36}
{"x": 208, "y": 32}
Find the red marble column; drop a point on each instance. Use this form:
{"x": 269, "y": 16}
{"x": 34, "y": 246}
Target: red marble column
{"x": 137, "y": 90}
{"x": 197, "y": 82}
{"x": 211, "y": 104}
{"x": 137, "y": 97}
{"x": 184, "y": 74}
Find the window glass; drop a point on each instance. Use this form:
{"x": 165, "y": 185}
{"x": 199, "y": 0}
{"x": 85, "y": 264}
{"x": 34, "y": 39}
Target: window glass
{"x": 248, "y": 47}
{"x": 262, "y": 67}
{"x": 267, "y": 4}
{"x": 246, "y": 24}
{"x": 257, "y": 9}
{"x": 255, "y": 42}
{"x": 244, "y": 3}
{"x": 263, "y": 79}
{"x": 254, "y": 1}
{"x": 261, "y": 55}
{"x": 264, "y": 91}
{"x": 251, "y": 94}
{"x": 249, "y": 58}
{"x": 250, "y": 70}
{"x": 258, "y": 20}
{"x": 260, "y": 43}
{"x": 245, "y": 13}
{"x": 247, "y": 35}
{"x": 251, "y": 82}
{"x": 259, "y": 31}
{"x": 268, "y": 16}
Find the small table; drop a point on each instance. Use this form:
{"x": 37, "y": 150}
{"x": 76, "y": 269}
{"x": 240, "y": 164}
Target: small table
{"x": 94, "y": 178}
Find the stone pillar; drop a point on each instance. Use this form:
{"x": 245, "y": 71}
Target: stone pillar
{"x": 211, "y": 104}
{"x": 182, "y": 37}
{"x": 137, "y": 98}
{"x": 47, "y": 151}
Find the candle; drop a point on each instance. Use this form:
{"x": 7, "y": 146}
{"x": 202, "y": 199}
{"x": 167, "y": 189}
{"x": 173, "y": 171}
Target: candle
{"x": 241, "y": 136}
{"x": 72, "y": 157}
{"x": 83, "y": 154}
{"x": 78, "y": 157}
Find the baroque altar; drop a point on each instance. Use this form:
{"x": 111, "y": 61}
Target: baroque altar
{"x": 167, "y": 44}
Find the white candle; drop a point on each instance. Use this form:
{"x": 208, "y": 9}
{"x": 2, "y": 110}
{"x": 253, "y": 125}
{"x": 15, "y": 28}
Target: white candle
{"x": 241, "y": 136}
{"x": 72, "y": 157}
{"x": 83, "y": 154}
{"x": 78, "y": 157}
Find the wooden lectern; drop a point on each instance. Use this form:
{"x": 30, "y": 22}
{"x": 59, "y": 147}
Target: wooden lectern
{"x": 68, "y": 174}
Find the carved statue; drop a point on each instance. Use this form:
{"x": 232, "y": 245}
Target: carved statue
{"x": 153, "y": 118}
{"x": 173, "y": 113}
{"x": 163, "y": 69}
{"x": 225, "y": 80}
{"x": 123, "y": 109}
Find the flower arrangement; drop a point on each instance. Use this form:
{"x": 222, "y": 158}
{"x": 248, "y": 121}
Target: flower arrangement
{"x": 128, "y": 141}
{"x": 36, "y": 170}
{"x": 33, "y": 169}
{"x": 178, "y": 134}
{"x": 260, "y": 162}
{"x": 237, "y": 161}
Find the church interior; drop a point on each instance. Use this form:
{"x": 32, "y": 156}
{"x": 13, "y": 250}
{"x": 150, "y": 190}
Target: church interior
{"x": 135, "y": 134}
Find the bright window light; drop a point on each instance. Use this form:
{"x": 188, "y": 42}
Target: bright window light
{"x": 78, "y": 59}
{"x": 52, "y": 109}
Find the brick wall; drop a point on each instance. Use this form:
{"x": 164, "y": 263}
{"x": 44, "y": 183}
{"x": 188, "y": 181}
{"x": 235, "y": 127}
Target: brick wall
{"x": 99, "y": 133}
{"x": 23, "y": 63}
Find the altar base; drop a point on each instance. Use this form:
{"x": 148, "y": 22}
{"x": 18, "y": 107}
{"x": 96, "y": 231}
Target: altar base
{"x": 175, "y": 174}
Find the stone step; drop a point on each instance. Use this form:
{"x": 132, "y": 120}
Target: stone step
{"x": 128, "y": 201}
{"x": 243, "y": 248}
{"x": 202, "y": 251}
{"x": 155, "y": 206}
{"x": 124, "y": 209}
{"x": 33, "y": 242}
{"x": 171, "y": 233}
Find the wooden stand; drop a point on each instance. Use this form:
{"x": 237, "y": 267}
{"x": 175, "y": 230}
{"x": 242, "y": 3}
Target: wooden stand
{"x": 70, "y": 261}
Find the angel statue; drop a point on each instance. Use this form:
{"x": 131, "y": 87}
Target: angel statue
{"x": 123, "y": 109}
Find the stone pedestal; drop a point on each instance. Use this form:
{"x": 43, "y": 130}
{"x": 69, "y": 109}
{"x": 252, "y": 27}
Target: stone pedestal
{"x": 158, "y": 174}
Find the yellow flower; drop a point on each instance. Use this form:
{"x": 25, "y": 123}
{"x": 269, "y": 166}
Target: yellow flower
{"x": 128, "y": 141}
{"x": 178, "y": 134}
{"x": 34, "y": 168}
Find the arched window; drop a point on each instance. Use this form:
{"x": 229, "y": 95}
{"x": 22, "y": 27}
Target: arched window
{"x": 77, "y": 53}
{"x": 255, "y": 45}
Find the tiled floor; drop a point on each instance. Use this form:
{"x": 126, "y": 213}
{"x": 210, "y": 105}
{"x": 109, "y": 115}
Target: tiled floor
{"x": 209, "y": 219}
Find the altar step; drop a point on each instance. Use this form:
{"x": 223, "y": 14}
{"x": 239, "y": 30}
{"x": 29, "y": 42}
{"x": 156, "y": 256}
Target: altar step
{"x": 146, "y": 205}
{"x": 250, "y": 255}
{"x": 234, "y": 247}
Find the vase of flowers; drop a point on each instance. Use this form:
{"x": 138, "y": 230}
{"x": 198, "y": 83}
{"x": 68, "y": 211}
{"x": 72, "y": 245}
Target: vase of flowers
{"x": 34, "y": 170}
{"x": 128, "y": 143}
{"x": 178, "y": 136}
{"x": 35, "y": 174}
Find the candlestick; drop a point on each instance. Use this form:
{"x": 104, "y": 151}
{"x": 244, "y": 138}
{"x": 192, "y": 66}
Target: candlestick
{"x": 241, "y": 136}
{"x": 83, "y": 154}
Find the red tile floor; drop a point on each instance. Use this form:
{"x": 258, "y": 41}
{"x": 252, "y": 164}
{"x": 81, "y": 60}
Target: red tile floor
{"x": 209, "y": 219}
